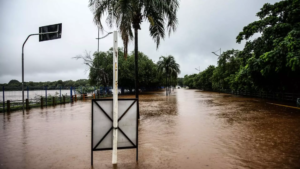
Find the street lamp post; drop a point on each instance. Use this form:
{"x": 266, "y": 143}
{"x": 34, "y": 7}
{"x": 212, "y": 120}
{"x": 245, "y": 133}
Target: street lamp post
{"x": 198, "y": 69}
{"x": 216, "y": 51}
{"x": 102, "y": 37}
{"x": 98, "y": 46}
{"x": 218, "y": 56}
{"x": 44, "y": 33}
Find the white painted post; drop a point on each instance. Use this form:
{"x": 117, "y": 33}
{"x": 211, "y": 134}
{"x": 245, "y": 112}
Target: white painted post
{"x": 115, "y": 98}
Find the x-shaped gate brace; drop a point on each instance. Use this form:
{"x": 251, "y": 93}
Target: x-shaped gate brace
{"x": 134, "y": 146}
{"x": 94, "y": 148}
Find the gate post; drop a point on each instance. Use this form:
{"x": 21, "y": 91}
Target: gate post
{"x": 42, "y": 102}
{"x": 8, "y": 105}
{"x": 27, "y": 104}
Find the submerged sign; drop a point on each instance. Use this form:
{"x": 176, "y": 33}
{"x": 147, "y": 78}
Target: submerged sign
{"x": 102, "y": 124}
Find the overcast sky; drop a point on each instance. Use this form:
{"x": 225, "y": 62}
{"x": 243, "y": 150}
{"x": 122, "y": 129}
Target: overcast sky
{"x": 204, "y": 26}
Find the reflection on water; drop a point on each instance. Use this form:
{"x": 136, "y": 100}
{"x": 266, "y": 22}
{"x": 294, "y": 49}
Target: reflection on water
{"x": 189, "y": 129}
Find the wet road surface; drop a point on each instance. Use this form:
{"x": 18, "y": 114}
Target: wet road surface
{"x": 189, "y": 129}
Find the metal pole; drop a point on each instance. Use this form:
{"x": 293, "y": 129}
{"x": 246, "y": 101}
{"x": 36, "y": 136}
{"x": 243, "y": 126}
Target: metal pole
{"x": 136, "y": 70}
{"x": 219, "y": 77}
{"x": 23, "y": 62}
{"x": 46, "y": 96}
{"x": 23, "y": 75}
{"x": 27, "y": 93}
{"x": 115, "y": 98}
{"x": 3, "y": 99}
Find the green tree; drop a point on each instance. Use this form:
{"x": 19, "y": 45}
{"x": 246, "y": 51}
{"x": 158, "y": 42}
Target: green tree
{"x": 14, "y": 83}
{"x": 168, "y": 67}
{"x": 180, "y": 82}
{"x": 69, "y": 83}
{"x": 272, "y": 61}
{"x": 204, "y": 79}
{"x": 228, "y": 64}
{"x": 104, "y": 60}
{"x": 188, "y": 81}
{"x": 101, "y": 69}
{"x": 129, "y": 14}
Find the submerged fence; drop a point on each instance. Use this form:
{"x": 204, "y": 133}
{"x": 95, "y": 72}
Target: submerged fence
{"x": 280, "y": 96}
{"x": 11, "y": 97}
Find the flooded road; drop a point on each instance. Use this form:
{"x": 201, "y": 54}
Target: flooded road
{"x": 189, "y": 129}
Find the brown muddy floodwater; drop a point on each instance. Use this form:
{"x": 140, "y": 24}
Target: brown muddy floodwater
{"x": 189, "y": 129}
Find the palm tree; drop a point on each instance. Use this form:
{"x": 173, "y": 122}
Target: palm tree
{"x": 129, "y": 14}
{"x": 169, "y": 67}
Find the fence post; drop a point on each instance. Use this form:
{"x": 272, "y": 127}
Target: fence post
{"x": 75, "y": 98}
{"x": 27, "y": 104}
{"x": 3, "y": 99}
{"x": 94, "y": 96}
{"x": 8, "y": 105}
{"x": 71, "y": 97}
{"x": 46, "y": 96}
{"x": 60, "y": 94}
{"x": 64, "y": 99}
{"x": 42, "y": 102}
{"x": 53, "y": 101}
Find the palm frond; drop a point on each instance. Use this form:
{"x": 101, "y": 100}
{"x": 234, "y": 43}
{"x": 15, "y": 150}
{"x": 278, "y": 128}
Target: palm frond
{"x": 129, "y": 14}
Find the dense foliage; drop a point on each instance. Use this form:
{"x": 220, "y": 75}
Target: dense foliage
{"x": 168, "y": 67}
{"x": 55, "y": 84}
{"x": 128, "y": 15}
{"x": 270, "y": 62}
{"x": 148, "y": 71}
{"x": 151, "y": 75}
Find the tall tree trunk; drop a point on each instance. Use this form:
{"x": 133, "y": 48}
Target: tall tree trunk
{"x": 136, "y": 70}
{"x": 166, "y": 85}
{"x": 171, "y": 83}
